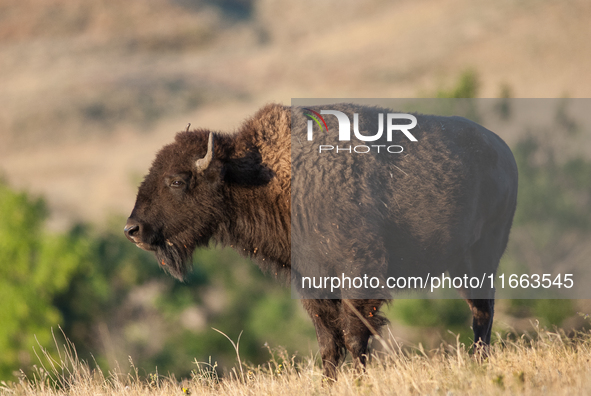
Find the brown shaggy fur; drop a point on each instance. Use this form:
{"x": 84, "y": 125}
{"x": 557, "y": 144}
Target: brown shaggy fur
{"x": 454, "y": 212}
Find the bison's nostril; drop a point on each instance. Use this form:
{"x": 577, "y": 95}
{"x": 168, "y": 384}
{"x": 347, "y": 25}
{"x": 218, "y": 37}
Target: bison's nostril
{"x": 132, "y": 230}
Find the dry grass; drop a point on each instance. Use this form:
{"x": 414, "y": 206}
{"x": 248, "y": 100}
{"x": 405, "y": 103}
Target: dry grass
{"x": 543, "y": 362}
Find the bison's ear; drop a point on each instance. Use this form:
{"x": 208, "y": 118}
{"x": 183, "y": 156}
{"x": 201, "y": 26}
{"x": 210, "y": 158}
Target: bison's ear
{"x": 203, "y": 163}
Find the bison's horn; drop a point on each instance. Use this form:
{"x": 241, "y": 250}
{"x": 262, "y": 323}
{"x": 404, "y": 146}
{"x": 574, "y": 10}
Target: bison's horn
{"x": 202, "y": 163}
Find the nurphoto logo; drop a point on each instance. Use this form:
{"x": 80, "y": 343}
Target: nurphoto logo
{"x": 345, "y": 131}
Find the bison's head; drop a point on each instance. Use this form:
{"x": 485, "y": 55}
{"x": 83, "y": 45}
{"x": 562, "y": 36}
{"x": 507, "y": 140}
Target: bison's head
{"x": 179, "y": 202}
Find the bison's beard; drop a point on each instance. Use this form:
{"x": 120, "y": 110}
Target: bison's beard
{"x": 175, "y": 259}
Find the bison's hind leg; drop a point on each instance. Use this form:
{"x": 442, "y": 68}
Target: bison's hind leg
{"x": 356, "y": 331}
{"x": 482, "y": 261}
{"x": 482, "y": 320}
{"x": 481, "y": 305}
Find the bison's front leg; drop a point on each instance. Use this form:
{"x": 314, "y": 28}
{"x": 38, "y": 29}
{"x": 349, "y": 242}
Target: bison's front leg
{"x": 325, "y": 315}
{"x": 360, "y": 318}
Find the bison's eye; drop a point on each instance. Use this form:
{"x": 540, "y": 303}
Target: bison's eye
{"x": 177, "y": 183}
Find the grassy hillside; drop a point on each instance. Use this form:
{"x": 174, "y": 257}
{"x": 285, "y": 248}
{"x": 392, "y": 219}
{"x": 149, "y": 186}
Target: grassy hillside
{"x": 92, "y": 90}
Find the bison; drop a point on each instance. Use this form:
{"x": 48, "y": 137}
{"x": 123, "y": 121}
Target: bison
{"x": 445, "y": 203}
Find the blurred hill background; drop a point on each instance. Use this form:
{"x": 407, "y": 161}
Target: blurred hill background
{"x": 89, "y": 91}
{"x": 104, "y": 84}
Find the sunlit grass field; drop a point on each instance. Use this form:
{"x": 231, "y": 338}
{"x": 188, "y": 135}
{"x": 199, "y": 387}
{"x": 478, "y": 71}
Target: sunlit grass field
{"x": 541, "y": 362}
